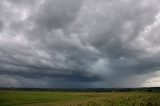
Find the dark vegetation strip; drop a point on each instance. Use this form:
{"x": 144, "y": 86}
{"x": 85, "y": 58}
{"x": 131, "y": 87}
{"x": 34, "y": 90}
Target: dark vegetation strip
{"x": 147, "y": 89}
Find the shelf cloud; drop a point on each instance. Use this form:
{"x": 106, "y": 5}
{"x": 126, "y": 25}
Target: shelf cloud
{"x": 79, "y": 43}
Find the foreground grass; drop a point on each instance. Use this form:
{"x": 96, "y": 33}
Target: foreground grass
{"x": 37, "y": 98}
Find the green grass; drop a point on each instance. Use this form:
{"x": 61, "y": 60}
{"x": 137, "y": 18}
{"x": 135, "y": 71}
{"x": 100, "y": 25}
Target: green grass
{"x": 11, "y": 98}
{"x": 37, "y": 98}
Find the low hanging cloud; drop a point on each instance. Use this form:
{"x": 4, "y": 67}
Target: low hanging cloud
{"x": 79, "y": 43}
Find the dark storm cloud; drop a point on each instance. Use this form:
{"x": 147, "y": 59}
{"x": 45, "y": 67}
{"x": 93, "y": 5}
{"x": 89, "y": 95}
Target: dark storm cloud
{"x": 76, "y": 43}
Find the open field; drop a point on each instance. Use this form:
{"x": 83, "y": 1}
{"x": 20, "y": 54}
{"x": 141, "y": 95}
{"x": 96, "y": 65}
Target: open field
{"x": 48, "y": 98}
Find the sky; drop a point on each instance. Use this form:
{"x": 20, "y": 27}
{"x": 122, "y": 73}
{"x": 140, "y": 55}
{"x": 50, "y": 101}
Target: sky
{"x": 79, "y": 43}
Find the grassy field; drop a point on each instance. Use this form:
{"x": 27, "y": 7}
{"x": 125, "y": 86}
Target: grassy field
{"x": 38, "y": 98}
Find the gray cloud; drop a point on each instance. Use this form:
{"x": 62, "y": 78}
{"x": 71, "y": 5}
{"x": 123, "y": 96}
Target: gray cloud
{"x": 76, "y": 43}
{"x": 56, "y": 13}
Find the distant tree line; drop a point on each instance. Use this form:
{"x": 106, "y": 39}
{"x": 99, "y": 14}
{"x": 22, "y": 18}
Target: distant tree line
{"x": 146, "y": 89}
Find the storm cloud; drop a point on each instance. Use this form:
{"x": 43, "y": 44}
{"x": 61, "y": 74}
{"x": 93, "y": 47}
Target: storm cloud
{"x": 79, "y": 43}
